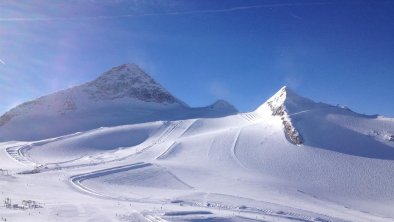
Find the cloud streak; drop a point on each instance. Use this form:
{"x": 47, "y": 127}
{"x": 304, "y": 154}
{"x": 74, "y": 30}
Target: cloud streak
{"x": 191, "y": 12}
{"x": 2, "y": 62}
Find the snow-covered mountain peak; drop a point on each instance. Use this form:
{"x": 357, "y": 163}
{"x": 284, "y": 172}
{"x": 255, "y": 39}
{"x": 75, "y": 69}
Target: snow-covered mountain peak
{"x": 126, "y": 72}
{"x": 280, "y": 96}
{"x": 128, "y": 81}
{"x": 289, "y": 100}
{"x": 285, "y": 103}
{"x": 122, "y": 95}
{"x": 223, "y": 104}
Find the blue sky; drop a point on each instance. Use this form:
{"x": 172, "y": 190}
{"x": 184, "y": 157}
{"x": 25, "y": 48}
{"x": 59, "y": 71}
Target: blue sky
{"x": 338, "y": 52}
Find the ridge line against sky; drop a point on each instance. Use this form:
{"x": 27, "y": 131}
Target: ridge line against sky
{"x": 204, "y": 11}
{"x": 337, "y": 52}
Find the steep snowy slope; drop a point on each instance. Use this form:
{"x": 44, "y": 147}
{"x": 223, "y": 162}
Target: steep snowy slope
{"x": 292, "y": 159}
{"x": 332, "y": 127}
{"x": 122, "y": 95}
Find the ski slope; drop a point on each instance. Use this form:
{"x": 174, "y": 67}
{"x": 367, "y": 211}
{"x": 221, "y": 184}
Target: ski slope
{"x": 291, "y": 159}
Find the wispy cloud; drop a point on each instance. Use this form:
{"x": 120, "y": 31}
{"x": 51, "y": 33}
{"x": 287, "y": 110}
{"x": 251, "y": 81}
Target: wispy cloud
{"x": 2, "y": 62}
{"x": 203, "y": 11}
{"x": 295, "y": 16}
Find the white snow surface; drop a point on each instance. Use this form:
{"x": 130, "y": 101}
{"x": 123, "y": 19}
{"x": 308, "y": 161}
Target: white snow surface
{"x": 203, "y": 165}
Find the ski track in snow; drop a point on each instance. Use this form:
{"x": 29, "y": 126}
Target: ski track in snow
{"x": 250, "y": 116}
{"x": 17, "y": 153}
{"x": 76, "y": 182}
{"x": 234, "y": 149}
{"x": 167, "y": 151}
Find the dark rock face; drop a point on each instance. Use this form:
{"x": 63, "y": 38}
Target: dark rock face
{"x": 291, "y": 132}
{"x": 277, "y": 111}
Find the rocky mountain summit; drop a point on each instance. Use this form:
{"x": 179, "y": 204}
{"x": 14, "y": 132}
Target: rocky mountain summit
{"x": 128, "y": 81}
{"x": 284, "y": 104}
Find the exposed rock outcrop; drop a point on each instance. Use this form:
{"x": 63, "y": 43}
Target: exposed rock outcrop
{"x": 278, "y": 105}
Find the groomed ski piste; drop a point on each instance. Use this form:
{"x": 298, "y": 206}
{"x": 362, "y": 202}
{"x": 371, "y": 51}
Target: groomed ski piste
{"x": 289, "y": 160}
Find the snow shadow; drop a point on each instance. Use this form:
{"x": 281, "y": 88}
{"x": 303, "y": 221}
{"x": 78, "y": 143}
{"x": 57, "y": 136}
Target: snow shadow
{"x": 320, "y": 133}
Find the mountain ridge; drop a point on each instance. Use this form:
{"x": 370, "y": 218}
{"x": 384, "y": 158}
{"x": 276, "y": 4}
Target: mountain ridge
{"x": 124, "y": 94}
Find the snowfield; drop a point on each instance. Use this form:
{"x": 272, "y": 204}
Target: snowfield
{"x": 152, "y": 158}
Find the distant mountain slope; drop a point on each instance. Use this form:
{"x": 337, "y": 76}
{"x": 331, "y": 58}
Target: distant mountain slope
{"x": 122, "y": 95}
